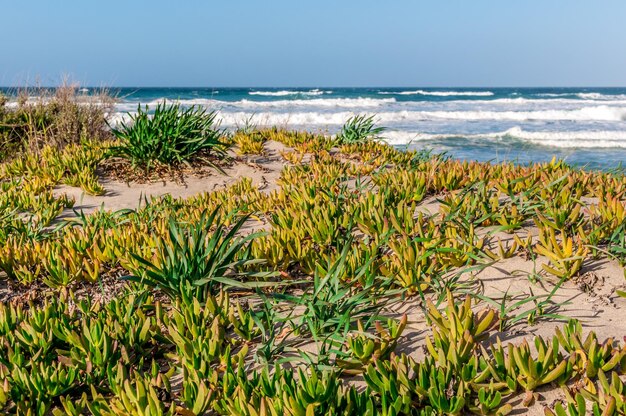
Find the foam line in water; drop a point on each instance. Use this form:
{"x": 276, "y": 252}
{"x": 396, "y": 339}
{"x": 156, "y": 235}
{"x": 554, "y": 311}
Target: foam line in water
{"x": 289, "y": 92}
{"x": 563, "y": 139}
{"x": 360, "y": 102}
{"x": 440, "y": 93}
{"x": 596, "y": 113}
{"x": 518, "y": 108}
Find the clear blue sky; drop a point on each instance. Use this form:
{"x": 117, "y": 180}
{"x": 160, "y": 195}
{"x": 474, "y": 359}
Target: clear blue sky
{"x": 315, "y": 43}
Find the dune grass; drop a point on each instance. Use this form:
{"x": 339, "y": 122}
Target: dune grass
{"x": 170, "y": 135}
{"x": 55, "y": 117}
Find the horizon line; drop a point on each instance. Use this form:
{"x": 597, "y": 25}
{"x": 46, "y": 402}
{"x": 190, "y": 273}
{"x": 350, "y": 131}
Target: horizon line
{"x": 318, "y": 86}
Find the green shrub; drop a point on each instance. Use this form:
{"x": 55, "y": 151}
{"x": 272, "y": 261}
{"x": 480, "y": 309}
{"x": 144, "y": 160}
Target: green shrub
{"x": 197, "y": 259}
{"x": 359, "y": 129}
{"x": 171, "y": 136}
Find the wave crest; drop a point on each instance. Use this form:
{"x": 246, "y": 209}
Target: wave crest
{"x": 563, "y": 139}
{"x": 283, "y": 93}
{"x": 440, "y": 93}
{"x": 303, "y": 118}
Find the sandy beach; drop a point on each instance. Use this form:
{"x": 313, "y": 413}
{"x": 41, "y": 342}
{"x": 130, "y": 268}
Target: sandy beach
{"x": 589, "y": 297}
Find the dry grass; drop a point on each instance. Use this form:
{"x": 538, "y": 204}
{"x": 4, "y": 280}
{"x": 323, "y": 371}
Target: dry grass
{"x": 55, "y": 117}
{"x": 120, "y": 169}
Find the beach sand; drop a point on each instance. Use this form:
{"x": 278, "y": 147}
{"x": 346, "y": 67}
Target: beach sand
{"x": 590, "y": 297}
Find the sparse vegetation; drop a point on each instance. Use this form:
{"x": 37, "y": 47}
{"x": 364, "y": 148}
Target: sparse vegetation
{"x": 183, "y": 306}
{"x": 58, "y": 117}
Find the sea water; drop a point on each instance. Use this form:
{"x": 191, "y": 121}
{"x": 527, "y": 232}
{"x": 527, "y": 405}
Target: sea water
{"x": 584, "y": 126}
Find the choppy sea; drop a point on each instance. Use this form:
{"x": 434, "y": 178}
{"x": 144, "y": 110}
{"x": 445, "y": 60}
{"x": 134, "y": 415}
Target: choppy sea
{"x": 585, "y": 126}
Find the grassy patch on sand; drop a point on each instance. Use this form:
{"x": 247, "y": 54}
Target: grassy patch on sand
{"x": 334, "y": 293}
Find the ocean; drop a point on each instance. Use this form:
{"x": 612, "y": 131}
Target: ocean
{"x": 584, "y": 126}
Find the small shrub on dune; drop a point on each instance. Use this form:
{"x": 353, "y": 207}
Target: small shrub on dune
{"x": 171, "y": 136}
{"x": 54, "y": 117}
{"x": 359, "y": 129}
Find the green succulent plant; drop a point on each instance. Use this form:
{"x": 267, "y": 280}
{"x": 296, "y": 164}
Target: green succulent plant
{"x": 364, "y": 348}
{"x": 548, "y": 367}
{"x": 358, "y": 129}
{"x": 456, "y": 334}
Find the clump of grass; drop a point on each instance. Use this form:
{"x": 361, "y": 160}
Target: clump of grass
{"x": 193, "y": 260}
{"x": 359, "y": 129}
{"x": 55, "y": 117}
{"x": 171, "y": 136}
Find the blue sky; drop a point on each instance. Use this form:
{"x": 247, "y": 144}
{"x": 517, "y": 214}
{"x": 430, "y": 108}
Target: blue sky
{"x": 317, "y": 43}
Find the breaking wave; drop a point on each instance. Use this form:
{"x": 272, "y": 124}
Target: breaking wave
{"x": 303, "y": 118}
{"x": 441, "y": 93}
{"x": 289, "y": 92}
{"x": 563, "y": 139}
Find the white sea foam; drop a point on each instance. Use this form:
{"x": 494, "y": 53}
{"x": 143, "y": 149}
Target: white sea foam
{"x": 278, "y": 104}
{"x": 595, "y": 96}
{"x": 116, "y": 118}
{"x": 518, "y": 108}
{"x": 204, "y": 102}
{"x": 303, "y": 118}
{"x": 440, "y": 93}
{"x": 564, "y": 139}
{"x": 585, "y": 119}
{"x": 293, "y": 119}
{"x": 359, "y": 102}
{"x": 551, "y": 94}
{"x": 289, "y": 92}
{"x": 601, "y": 97}
{"x": 595, "y": 113}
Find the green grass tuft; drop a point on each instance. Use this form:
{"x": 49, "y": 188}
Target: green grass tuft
{"x": 359, "y": 129}
{"x": 172, "y": 135}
